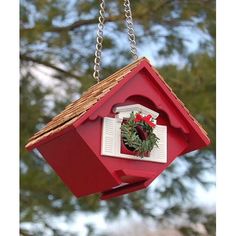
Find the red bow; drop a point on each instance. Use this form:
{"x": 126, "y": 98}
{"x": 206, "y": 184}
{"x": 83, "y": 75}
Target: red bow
{"x": 146, "y": 119}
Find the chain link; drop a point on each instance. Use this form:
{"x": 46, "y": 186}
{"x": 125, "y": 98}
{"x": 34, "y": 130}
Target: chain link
{"x": 99, "y": 40}
{"x": 130, "y": 26}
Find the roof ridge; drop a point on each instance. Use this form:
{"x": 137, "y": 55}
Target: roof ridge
{"x": 134, "y": 63}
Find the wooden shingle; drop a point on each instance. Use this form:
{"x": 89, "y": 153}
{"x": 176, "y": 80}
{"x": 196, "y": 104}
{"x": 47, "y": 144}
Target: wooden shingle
{"x": 79, "y": 107}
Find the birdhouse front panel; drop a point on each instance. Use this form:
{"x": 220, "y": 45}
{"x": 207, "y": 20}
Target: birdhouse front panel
{"x": 138, "y": 95}
{"x": 120, "y": 135}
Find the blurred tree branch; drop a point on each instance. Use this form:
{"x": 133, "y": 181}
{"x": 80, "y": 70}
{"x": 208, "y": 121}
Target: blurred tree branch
{"x": 48, "y": 64}
{"x": 80, "y": 23}
{"x": 24, "y": 233}
{"x": 76, "y": 24}
{"x": 114, "y": 18}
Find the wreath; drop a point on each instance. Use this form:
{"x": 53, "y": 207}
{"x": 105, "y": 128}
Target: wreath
{"x": 137, "y": 134}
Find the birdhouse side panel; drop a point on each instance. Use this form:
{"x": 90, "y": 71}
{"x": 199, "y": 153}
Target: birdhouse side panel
{"x": 77, "y": 165}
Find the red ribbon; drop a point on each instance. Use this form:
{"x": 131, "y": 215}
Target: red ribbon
{"x": 146, "y": 119}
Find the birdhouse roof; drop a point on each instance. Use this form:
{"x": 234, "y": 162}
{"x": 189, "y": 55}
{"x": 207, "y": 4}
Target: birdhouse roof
{"x": 79, "y": 108}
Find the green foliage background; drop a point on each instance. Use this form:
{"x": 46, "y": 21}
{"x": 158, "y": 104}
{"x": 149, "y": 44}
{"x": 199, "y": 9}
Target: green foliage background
{"x": 60, "y": 36}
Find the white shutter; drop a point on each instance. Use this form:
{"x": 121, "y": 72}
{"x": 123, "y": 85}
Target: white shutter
{"x": 159, "y": 154}
{"x": 108, "y": 136}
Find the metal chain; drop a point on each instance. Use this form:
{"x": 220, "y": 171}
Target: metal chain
{"x": 99, "y": 40}
{"x": 130, "y": 26}
{"x": 98, "y": 52}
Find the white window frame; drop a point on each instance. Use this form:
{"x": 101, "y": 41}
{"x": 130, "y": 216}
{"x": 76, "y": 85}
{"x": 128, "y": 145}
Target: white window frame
{"x": 158, "y": 154}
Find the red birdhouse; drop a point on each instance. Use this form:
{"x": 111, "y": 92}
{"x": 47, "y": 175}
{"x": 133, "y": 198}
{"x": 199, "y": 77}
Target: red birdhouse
{"x": 84, "y": 144}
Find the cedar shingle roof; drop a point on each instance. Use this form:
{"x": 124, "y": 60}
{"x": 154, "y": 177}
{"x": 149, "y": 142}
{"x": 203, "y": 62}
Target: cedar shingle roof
{"x": 79, "y": 107}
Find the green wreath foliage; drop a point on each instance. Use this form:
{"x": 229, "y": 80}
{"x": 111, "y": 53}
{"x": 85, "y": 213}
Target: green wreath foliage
{"x": 131, "y": 138}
